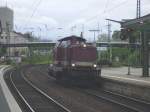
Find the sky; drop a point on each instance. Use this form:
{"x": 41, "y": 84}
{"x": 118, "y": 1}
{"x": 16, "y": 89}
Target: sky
{"x": 54, "y": 19}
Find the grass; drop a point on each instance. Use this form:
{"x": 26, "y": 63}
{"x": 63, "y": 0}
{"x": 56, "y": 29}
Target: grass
{"x": 37, "y": 59}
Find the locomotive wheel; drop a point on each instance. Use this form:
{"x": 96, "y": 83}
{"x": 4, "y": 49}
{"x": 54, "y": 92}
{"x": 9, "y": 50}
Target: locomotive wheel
{"x": 58, "y": 76}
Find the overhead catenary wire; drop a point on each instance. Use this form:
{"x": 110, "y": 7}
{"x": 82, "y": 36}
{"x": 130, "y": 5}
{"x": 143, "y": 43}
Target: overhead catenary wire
{"x": 34, "y": 11}
{"x": 106, "y": 10}
{"x": 106, "y": 6}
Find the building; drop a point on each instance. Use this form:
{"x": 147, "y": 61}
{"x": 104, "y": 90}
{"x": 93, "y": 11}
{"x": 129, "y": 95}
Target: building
{"x": 15, "y": 37}
{"x": 7, "y": 33}
{"x": 6, "y": 19}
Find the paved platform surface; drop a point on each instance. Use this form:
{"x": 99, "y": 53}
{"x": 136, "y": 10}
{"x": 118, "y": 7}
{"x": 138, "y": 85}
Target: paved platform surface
{"x": 4, "y": 107}
{"x": 121, "y": 75}
{"x": 3, "y": 103}
{"x": 7, "y": 101}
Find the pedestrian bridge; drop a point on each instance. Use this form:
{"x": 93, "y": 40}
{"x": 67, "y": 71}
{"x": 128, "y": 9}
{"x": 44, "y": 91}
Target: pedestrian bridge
{"x": 51, "y": 44}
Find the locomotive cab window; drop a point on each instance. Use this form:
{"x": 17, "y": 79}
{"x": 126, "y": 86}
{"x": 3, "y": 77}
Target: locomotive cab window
{"x": 57, "y": 44}
{"x": 68, "y": 43}
{"x": 63, "y": 44}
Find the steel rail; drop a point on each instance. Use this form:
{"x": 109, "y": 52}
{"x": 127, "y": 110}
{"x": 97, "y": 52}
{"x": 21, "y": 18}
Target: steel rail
{"x": 10, "y": 76}
{"x": 116, "y": 102}
{"x": 112, "y": 101}
{"x": 133, "y": 99}
{"x": 44, "y": 94}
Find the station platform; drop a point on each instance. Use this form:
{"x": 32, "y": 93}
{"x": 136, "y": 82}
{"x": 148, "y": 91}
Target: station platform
{"x": 7, "y": 101}
{"x": 3, "y": 103}
{"x": 121, "y": 74}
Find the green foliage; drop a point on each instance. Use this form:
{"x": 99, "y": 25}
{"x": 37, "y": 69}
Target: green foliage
{"x": 30, "y": 36}
{"x": 104, "y": 55}
{"x": 8, "y": 61}
{"x": 116, "y": 36}
{"x": 103, "y": 37}
{"x": 38, "y": 55}
{"x": 134, "y": 59}
{"x": 3, "y": 51}
{"x": 135, "y": 37}
{"x": 38, "y": 59}
{"x": 123, "y": 55}
{"x": 116, "y": 64}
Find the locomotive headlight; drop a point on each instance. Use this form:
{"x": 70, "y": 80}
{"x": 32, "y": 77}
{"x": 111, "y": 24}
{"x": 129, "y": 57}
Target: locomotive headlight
{"x": 84, "y": 45}
{"x": 73, "y": 65}
{"x": 94, "y": 65}
{"x": 51, "y": 65}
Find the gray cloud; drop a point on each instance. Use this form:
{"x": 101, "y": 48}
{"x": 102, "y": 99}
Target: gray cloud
{"x": 67, "y": 13}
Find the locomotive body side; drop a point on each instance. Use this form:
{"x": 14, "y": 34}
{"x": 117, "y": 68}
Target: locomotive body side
{"x": 74, "y": 59}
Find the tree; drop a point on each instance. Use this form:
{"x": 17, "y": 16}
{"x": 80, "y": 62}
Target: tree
{"x": 31, "y": 37}
{"x": 3, "y": 51}
{"x": 116, "y": 36}
{"x": 135, "y": 37}
{"x": 103, "y": 37}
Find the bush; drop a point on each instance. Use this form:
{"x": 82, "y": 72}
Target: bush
{"x": 37, "y": 59}
{"x": 134, "y": 59}
{"x": 124, "y": 56}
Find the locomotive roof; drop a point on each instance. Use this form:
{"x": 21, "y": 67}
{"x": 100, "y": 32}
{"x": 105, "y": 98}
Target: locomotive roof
{"x": 72, "y": 37}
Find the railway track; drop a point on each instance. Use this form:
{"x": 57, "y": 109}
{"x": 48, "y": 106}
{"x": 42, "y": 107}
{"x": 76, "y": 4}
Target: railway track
{"x": 126, "y": 103}
{"x": 121, "y": 107}
{"x": 43, "y": 89}
{"x": 31, "y": 98}
{"x": 132, "y": 104}
{"x": 129, "y": 103}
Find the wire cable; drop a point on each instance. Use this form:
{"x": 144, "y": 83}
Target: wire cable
{"x": 106, "y": 6}
{"x": 38, "y": 4}
{"x": 34, "y": 11}
{"x": 106, "y": 11}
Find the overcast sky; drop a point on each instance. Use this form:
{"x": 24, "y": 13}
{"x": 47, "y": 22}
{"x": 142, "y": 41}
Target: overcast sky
{"x": 44, "y": 17}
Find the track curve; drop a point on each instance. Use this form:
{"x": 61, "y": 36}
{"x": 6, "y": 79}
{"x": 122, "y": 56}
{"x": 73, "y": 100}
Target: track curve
{"x": 71, "y": 97}
{"x": 34, "y": 98}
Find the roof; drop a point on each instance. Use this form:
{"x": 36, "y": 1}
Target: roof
{"x": 145, "y": 19}
{"x": 72, "y": 37}
{"x": 21, "y": 35}
{"x": 18, "y": 33}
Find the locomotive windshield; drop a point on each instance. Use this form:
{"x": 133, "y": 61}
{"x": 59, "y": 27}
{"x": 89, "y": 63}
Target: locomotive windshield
{"x": 75, "y": 49}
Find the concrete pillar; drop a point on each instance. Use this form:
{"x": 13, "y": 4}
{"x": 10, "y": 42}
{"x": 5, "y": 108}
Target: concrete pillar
{"x": 145, "y": 53}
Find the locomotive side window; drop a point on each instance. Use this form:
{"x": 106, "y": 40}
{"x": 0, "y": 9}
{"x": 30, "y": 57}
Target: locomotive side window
{"x": 63, "y": 44}
{"x": 57, "y": 44}
{"x": 79, "y": 43}
{"x": 68, "y": 43}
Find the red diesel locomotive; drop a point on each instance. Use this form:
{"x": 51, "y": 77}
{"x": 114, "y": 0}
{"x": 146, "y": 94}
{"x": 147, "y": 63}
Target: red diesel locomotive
{"x": 74, "y": 59}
